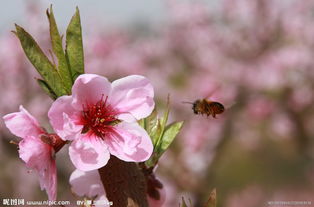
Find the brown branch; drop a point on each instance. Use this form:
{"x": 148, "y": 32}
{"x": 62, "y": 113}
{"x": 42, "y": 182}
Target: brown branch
{"x": 124, "y": 183}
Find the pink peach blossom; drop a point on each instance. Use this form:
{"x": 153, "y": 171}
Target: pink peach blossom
{"x": 100, "y": 119}
{"x": 37, "y": 154}
{"x": 88, "y": 184}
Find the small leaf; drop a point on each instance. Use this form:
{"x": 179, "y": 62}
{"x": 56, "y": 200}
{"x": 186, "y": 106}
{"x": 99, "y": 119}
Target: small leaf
{"x": 142, "y": 123}
{"x": 166, "y": 114}
{"x": 74, "y": 46}
{"x": 151, "y": 121}
{"x": 162, "y": 135}
{"x": 152, "y": 161}
{"x": 156, "y": 132}
{"x": 163, "y": 122}
{"x": 155, "y": 135}
{"x": 170, "y": 133}
{"x": 40, "y": 61}
{"x": 47, "y": 89}
{"x": 56, "y": 42}
{"x": 212, "y": 199}
{"x": 162, "y": 140}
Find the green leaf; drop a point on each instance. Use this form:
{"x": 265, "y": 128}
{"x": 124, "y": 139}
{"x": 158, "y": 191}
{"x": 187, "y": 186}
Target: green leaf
{"x": 170, "y": 133}
{"x": 151, "y": 124}
{"x": 142, "y": 123}
{"x": 56, "y": 42}
{"x": 47, "y": 89}
{"x": 74, "y": 46}
{"x": 161, "y": 134}
{"x": 166, "y": 115}
{"x": 150, "y": 121}
{"x": 212, "y": 199}
{"x": 162, "y": 138}
{"x": 156, "y": 132}
{"x": 40, "y": 61}
{"x": 163, "y": 122}
{"x": 155, "y": 135}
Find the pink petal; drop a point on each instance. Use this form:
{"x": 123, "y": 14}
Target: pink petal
{"x": 88, "y": 153}
{"x": 64, "y": 118}
{"x": 133, "y": 94}
{"x": 130, "y": 142}
{"x": 38, "y": 156}
{"x": 87, "y": 183}
{"x": 48, "y": 180}
{"x": 23, "y": 124}
{"x": 89, "y": 89}
{"x": 128, "y": 117}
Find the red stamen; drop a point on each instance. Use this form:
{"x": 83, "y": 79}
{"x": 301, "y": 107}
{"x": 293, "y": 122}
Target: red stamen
{"x": 98, "y": 118}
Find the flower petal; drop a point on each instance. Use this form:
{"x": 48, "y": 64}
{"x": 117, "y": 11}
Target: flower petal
{"x": 128, "y": 117}
{"x": 23, "y": 124}
{"x": 130, "y": 142}
{"x": 133, "y": 94}
{"x": 89, "y": 89}
{"x": 87, "y": 183}
{"x": 48, "y": 180}
{"x": 38, "y": 156}
{"x": 64, "y": 118}
{"x": 89, "y": 153}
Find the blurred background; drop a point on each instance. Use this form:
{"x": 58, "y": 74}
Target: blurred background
{"x": 254, "y": 56}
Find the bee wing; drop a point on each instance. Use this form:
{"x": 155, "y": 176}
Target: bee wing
{"x": 212, "y": 92}
{"x": 231, "y": 105}
{"x": 187, "y": 102}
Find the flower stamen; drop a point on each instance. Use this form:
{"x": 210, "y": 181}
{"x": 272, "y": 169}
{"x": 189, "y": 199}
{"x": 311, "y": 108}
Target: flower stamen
{"x": 98, "y": 118}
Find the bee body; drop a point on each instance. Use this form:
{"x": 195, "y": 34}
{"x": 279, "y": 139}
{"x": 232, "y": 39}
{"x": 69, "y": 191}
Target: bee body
{"x": 204, "y": 106}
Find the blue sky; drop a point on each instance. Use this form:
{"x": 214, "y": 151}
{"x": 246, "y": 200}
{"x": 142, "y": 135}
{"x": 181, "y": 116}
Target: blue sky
{"x": 115, "y": 12}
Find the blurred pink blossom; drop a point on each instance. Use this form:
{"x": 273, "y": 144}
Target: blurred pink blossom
{"x": 251, "y": 196}
{"x": 260, "y": 108}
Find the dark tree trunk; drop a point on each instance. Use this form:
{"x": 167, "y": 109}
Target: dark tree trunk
{"x": 124, "y": 183}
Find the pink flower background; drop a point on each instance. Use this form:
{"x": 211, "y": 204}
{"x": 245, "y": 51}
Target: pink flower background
{"x": 255, "y": 57}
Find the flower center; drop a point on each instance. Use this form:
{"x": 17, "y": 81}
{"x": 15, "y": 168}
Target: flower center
{"x": 99, "y": 118}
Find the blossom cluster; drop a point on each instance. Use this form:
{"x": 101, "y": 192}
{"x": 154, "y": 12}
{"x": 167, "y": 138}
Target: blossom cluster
{"x": 99, "y": 119}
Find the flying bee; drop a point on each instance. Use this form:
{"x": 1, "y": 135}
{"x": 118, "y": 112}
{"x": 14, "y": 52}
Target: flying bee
{"x": 205, "y": 106}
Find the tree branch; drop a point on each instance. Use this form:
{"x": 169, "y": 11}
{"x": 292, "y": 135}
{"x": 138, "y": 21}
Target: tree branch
{"x": 124, "y": 183}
